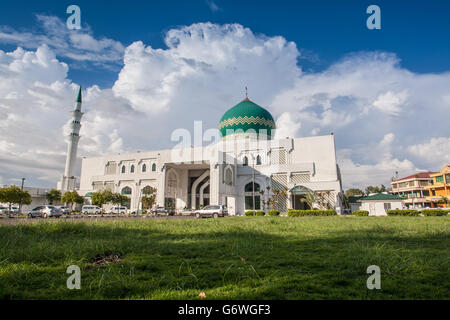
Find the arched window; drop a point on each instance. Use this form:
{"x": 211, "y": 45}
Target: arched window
{"x": 249, "y": 187}
{"x": 258, "y": 160}
{"x": 154, "y": 167}
{"x": 123, "y": 169}
{"x": 245, "y": 161}
{"x": 132, "y": 168}
{"x": 144, "y": 167}
{"x": 126, "y": 191}
{"x": 148, "y": 190}
{"x": 252, "y": 199}
{"x": 228, "y": 177}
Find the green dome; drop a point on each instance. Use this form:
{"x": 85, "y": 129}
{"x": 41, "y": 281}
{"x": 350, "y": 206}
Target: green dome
{"x": 244, "y": 116}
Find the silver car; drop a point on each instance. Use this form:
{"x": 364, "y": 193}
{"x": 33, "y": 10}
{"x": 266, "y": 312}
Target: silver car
{"x": 45, "y": 212}
{"x": 64, "y": 210}
{"x": 214, "y": 211}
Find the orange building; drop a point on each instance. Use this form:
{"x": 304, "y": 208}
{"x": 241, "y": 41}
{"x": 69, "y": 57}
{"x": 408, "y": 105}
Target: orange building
{"x": 440, "y": 189}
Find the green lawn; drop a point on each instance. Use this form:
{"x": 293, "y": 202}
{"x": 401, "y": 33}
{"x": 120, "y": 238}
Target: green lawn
{"x": 229, "y": 258}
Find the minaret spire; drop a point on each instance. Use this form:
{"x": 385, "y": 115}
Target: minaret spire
{"x": 79, "y": 96}
{"x": 68, "y": 182}
{"x": 246, "y": 94}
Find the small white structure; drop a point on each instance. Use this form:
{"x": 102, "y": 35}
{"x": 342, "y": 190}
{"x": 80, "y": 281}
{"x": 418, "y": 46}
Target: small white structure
{"x": 378, "y": 204}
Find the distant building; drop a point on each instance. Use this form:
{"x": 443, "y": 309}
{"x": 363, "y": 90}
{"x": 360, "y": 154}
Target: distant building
{"x": 38, "y": 198}
{"x": 378, "y": 204}
{"x": 414, "y": 189}
{"x": 353, "y": 202}
{"x": 439, "y": 188}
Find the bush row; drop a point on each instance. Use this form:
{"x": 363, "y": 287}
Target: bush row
{"x": 434, "y": 212}
{"x": 361, "y": 213}
{"x": 411, "y": 212}
{"x": 261, "y": 213}
{"x": 301, "y": 213}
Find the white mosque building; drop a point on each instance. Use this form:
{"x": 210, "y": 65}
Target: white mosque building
{"x": 243, "y": 170}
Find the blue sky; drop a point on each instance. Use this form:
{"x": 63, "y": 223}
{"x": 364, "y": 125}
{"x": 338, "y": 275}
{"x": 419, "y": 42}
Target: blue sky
{"x": 150, "y": 67}
{"x": 326, "y": 30}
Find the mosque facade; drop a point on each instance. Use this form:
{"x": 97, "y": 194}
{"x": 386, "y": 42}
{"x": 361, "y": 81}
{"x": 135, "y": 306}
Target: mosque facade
{"x": 247, "y": 169}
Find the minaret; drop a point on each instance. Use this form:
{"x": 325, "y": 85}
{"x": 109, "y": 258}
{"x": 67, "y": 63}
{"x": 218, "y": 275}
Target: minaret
{"x": 68, "y": 182}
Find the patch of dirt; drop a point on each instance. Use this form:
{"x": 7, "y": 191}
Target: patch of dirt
{"x": 104, "y": 260}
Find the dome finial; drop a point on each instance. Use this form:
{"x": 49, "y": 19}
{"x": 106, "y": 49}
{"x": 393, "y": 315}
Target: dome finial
{"x": 246, "y": 94}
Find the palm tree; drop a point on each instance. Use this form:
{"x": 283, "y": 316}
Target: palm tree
{"x": 445, "y": 200}
{"x": 310, "y": 198}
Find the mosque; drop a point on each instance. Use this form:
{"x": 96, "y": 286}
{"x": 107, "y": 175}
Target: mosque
{"x": 246, "y": 169}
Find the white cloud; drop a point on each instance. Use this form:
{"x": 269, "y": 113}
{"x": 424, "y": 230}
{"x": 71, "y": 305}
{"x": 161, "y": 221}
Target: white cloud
{"x": 390, "y": 102}
{"x": 435, "y": 153}
{"x": 78, "y": 45}
{"x": 382, "y": 114}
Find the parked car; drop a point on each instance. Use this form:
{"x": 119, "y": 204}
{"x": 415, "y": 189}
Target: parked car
{"x": 161, "y": 211}
{"x": 214, "y": 211}
{"x": 4, "y": 209}
{"x": 64, "y": 209}
{"x": 90, "y": 209}
{"x": 118, "y": 209}
{"x": 45, "y": 212}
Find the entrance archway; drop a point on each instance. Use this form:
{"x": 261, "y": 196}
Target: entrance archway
{"x": 298, "y": 194}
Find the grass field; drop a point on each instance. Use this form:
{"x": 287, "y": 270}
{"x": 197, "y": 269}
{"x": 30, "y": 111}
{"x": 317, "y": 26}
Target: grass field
{"x": 229, "y": 258}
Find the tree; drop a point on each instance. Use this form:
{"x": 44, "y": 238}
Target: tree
{"x": 444, "y": 200}
{"x": 71, "y": 197}
{"x": 118, "y": 199}
{"x": 14, "y": 194}
{"x": 53, "y": 195}
{"x": 372, "y": 189}
{"x": 148, "y": 198}
{"x": 101, "y": 197}
{"x": 353, "y": 192}
{"x": 310, "y": 199}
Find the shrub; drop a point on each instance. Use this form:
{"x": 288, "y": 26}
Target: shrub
{"x": 403, "y": 212}
{"x": 435, "y": 212}
{"x": 301, "y": 213}
{"x": 360, "y": 213}
{"x": 251, "y": 213}
{"x": 273, "y": 213}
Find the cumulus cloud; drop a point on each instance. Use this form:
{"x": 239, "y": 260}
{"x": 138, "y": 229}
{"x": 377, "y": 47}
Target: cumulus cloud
{"x": 36, "y": 99}
{"x": 433, "y": 153}
{"x": 384, "y": 117}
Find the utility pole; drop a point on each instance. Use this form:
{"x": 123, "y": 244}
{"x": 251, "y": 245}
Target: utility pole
{"x": 20, "y": 204}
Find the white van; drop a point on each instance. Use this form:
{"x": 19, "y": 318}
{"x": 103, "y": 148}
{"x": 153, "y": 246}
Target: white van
{"x": 117, "y": 209}
{"x": 89, "y": 209}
